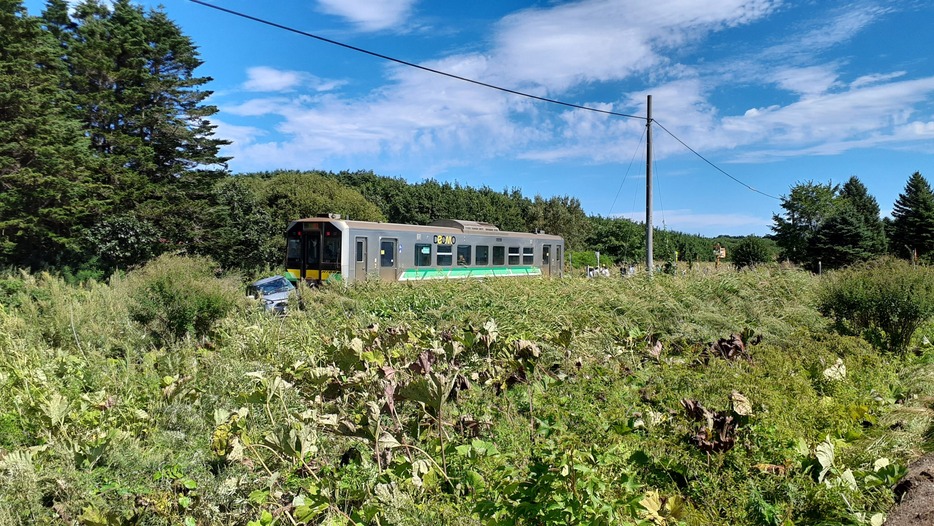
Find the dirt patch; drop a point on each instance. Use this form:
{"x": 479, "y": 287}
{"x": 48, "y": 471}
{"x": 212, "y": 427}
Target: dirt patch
{"x": 914, "y": 495}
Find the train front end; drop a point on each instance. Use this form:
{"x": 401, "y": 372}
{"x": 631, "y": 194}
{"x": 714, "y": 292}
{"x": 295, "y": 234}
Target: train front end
{"x": 314, "y": 249}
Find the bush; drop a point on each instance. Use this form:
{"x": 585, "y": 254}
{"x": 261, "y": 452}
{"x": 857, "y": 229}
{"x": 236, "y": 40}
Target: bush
{"x": 885, "y": 301}
{"x": 751, "y": 251}
{"x": 175, "y": 296}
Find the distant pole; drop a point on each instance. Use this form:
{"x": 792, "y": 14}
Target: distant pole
{"x": 649, "y": 256}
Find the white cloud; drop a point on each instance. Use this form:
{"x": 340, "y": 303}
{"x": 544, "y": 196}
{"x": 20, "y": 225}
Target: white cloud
{"x": 369, "y": 15}
{"x": 264, "y": 78}
{"x": 603, "y": 40}
{"x": 834, "y": 122}
{"x": 807, "y": 81}
{"x": 877, "y": 78}
{"x": 238, "y": 135}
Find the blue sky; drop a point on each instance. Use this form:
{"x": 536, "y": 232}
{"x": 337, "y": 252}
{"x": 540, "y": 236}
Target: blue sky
{"x": 773, "y": 92}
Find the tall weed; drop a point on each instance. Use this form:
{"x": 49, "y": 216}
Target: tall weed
{"x": 174, "y": 297}
{"x": 885, "y": 301}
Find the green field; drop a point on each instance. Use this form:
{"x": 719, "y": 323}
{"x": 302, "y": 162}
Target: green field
{"x": 165, "y": 397}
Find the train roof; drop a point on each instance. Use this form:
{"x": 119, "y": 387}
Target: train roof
{"x": 440, "y": 225}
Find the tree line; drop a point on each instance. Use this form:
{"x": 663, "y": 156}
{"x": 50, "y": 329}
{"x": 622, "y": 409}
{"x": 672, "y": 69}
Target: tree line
{"x": 826, "y": 225}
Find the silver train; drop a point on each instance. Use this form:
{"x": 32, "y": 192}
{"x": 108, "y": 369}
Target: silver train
{"x": 330, "y": 248}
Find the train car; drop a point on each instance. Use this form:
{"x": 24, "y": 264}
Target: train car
{"x": 330, "y": 248}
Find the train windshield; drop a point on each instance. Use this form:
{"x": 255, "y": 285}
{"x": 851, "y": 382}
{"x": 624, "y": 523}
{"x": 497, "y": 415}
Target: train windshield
{"x": 332, "y": 246}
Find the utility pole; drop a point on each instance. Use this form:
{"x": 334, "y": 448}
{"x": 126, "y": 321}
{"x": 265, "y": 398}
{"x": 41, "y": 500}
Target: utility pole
{"x": 649, "y": 256}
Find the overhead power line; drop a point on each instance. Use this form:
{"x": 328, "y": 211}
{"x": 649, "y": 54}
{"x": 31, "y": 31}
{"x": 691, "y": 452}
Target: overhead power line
{"x": 412, "y": 64}
{"x": 471, "y": 81}
{"x": 715, "y": 167}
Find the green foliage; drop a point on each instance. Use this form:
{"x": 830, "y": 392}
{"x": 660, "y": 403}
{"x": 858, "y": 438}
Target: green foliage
{"x": 46, "y": 171}
{"x": 175, "y": 297}
{"x": 886, "y": 301}
{"x": 245, "y": 233}
{"x": 751, "y": 251}
{"x": 101, "y": 116}
{"x": 828, "y": 226}
{"x": 463, "y": 403}
{"x": 843, "y": 240}
{"x": 121, "y": 242}
{"x": 913, "y": 220}
{"x": 806, "y": 207}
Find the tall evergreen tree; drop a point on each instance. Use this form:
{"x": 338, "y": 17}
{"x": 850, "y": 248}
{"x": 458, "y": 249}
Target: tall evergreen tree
{"x": 913, "y": 219}
{"x": 865, "y": 210}
{"x": 48, "y": 197}
{"x": 844, "y": 238}
{"x": 132, "y": 74}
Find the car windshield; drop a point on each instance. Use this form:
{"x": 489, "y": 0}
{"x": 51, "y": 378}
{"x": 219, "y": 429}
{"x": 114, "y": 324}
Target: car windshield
{"x": 274, "y": 286}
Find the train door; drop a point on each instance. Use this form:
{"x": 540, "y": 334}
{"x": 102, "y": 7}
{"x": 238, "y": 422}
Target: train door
{"x": 360, "y": 259}
{"x": 546, "y": 260}
{"x": 557, "y": 262}
{"x": 387, "y": 259}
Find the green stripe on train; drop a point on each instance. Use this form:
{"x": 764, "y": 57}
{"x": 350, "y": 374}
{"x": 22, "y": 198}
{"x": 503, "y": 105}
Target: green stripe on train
{"x": 476, "y": 272}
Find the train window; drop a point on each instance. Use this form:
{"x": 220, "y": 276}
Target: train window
{"x": 294, "y": 252}
{"x": 463, "y": 255}
{"x": 312, "y": 251}
{"x": 332, "y": 250}
{"x": 513, "y": 255}
{"x": 528, "y": 255}
{"x": 499, "y": 255}
{"x": 483, "y": 255}
{"x": 331, "y": 239}
{"x": 445, "y": 257}
{"x": 546, "y": 255}
{"x": 387, "y": 253}
{"x": 422, "y": 255}
{"x": 359, "y": 257}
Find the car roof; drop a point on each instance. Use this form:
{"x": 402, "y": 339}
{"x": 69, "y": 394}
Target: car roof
{"x": 270, "y": 279}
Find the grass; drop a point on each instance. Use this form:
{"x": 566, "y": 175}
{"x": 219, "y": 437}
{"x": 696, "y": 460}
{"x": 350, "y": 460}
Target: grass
{"x": 547, "y": 401}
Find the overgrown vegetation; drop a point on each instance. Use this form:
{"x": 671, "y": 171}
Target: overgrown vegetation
{"x": 885, "y": 301}
{"x": 706, "y": 398}
{"x": 751, "y": 251}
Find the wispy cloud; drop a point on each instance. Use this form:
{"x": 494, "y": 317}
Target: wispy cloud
{"x": 369, "y": 15}
{"x": 603, "y": 40}
{"x": 267, "y": 79}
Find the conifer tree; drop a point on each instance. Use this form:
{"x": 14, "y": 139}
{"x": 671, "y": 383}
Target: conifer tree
{"x": 913, "y": 219}
{"x": 48, "y": 196}
{"x": 132, "y": 75}
{"x": 844, "y": 239}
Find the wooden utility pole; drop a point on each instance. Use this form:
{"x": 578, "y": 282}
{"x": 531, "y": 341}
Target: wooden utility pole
{"x": 649, "y": 256}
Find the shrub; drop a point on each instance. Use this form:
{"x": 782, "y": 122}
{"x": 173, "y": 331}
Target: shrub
{"x": 885, "y": 301}
{"x": 175, "y": 296}
{"x": 751, "y": 251}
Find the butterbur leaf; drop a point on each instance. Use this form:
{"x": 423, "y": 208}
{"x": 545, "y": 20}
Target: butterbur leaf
{"x": 741, "y": 404}
{"x": 847, "y": 479}
{"x": 836, "y": 372}
{"x": 387, "y": 441}
{"x": 56, "y": 409}
{"x": 526, "y": 350}
{"x": 652, "y": 504}
{"x": 825, "y": 455}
